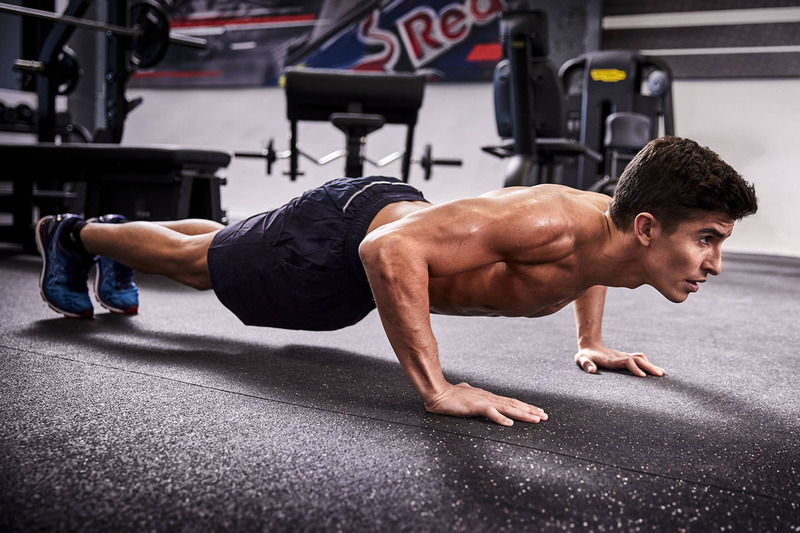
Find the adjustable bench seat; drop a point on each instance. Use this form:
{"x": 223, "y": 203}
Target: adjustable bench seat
{"x": 140, "y": 182}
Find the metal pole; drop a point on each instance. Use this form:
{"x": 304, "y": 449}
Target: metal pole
{"x": 96, "y": 25}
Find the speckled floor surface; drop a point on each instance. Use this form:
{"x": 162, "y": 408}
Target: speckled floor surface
{"x": 182, "y": 419}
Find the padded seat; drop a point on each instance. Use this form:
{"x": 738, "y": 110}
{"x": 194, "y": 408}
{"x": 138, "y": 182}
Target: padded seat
{"x": 140, "y": 182}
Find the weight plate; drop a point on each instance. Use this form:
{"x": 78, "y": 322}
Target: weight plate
{"x": 67, "y": 71}
{"x": 151, "y": 46}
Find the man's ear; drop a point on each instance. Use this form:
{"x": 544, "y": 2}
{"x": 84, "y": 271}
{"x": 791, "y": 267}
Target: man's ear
{"x": 645, "y": 226}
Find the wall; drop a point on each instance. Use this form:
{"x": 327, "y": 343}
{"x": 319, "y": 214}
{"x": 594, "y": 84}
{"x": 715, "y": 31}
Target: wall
{"x": 456, "y": 119}
{"x": 751, "y": 124}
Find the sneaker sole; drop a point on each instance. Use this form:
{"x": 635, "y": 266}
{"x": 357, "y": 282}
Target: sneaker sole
{"x": 40, "y": 248}
{"x": 114, "y": 310}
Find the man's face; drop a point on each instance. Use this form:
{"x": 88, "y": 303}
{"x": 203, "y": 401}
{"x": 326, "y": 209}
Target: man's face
{"x": 681, "y": 260}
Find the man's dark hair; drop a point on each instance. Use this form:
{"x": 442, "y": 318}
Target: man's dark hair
{"x": 672, "y": 179}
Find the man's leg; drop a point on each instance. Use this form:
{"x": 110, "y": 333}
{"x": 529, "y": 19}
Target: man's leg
{"x": 192, "y": 226}
{"x": 173, "y": 249}
{"x": 69, "y": 246}
{"x": 113, "y": 285}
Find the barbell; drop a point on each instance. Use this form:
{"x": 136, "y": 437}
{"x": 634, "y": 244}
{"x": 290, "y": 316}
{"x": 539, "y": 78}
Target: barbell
{"x": 149, "y": 31}
{"x": 426, "y": 161}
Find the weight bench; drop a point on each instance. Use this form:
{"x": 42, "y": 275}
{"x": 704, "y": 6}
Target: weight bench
{"x": 357, "y": 104}
{"x": 142, "y": 183}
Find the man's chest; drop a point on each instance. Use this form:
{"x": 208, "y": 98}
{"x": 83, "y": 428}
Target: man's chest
{"x": 506, "y": 289}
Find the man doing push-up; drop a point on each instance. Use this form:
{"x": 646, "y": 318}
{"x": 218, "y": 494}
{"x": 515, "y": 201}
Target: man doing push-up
{"x": 328, "y": 258}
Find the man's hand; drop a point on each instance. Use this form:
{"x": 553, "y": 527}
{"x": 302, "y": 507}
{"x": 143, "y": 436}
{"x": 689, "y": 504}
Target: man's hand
{"x": 591, "y": 358}
{"x": 465, "y": 401}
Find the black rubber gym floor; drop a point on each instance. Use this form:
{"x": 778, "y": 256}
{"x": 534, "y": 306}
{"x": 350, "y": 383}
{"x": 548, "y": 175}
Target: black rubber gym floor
{"x": 182, "y": 419}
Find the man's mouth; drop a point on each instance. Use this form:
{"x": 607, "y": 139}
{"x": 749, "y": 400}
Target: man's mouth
{"x": 694, "y": 284}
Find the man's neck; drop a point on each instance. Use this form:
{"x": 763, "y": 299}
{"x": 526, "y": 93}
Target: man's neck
{"x": 618, "y": 259}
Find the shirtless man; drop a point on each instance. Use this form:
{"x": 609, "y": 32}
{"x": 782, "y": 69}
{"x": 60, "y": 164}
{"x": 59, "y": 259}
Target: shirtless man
{"x": 318, "y": 262}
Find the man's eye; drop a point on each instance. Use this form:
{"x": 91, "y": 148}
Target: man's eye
{"x": 705, "y": 240}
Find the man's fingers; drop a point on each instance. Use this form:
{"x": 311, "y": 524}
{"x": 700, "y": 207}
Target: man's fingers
{"x": 640, "y": 366}
{"x": 646, "y": 365}
{"x": 505, "y": 410}
{"x": 495, "y": 416}
{"x": 507, "y": 415}
{"x": 529, "y": 414}
{"x": 586, "y": 364}
{"x": 464, "y": 400}
{"x": 636, "y": 363}
{"x": 630, "y": 363}
{"x": 525, "y": 412}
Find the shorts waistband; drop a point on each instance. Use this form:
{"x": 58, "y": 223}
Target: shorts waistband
{"x": 366, "y": 188}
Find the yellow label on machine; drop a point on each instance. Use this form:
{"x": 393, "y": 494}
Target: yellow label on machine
{"x": 608, "y": 74}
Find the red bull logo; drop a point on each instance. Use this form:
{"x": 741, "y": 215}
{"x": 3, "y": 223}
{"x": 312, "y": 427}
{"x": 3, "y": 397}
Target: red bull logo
{"x": 425, "y": 32}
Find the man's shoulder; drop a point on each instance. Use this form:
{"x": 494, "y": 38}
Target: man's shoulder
{"x": 540, "y": 224}
{"x": 534, "y": 214}
{"x": 561, "y": 201}
{"x": 546, "y": 190}
{"x": 570, "y": 218}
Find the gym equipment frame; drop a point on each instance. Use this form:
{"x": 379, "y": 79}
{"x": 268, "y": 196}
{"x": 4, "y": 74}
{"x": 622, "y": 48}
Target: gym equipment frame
{"x": 357, "y": 104}
{"x": 529, "y": 109}
{"x": 140, "y": 44}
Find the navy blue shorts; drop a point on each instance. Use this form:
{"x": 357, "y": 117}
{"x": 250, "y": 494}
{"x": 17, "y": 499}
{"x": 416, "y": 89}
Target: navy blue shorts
{"x": 297, "y": 267}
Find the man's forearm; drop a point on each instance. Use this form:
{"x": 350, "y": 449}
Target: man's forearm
{"x": 400, "y": 288}
{"x": 589, "y": 316}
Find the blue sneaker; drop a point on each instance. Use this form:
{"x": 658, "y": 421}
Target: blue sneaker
{"x": 113, "y": 283}
{"x": 63, "y": 282}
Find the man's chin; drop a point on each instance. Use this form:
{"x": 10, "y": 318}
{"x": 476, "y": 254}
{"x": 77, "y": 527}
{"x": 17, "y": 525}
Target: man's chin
{"x": 675, "y": 297}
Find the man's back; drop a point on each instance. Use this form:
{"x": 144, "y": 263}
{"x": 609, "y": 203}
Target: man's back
{"x": 512, "y": 252}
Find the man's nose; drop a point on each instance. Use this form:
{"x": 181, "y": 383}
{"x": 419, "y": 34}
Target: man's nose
{"x": 713, "y": 264}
